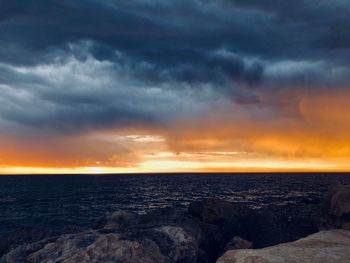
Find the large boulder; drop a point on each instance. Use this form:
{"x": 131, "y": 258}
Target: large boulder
{"x": 29, "y": 235}
{"x": 334, "y": 212}
{"x": 173, "y": 227}
{"x": 222, "y": 220}
{"x": 88, "y": 247}
{"x": 218, "y": 212}
{"x": 20, "y": 237}
{"x": 166, "y": 244}
{"x": 184, "y": 247}
{"x": 165, "y": 235}
{"x": 323, "y": 247}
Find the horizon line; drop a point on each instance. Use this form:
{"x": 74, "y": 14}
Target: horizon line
{"x": 181, "y": 173}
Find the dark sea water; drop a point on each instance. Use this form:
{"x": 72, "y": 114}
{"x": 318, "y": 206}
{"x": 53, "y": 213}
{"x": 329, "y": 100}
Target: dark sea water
{"x": 58, "y": 201}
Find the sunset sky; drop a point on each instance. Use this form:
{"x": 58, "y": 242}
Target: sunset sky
{"x": 113, "y": 86}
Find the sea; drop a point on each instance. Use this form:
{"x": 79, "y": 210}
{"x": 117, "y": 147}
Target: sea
{"x": 57, "y": 201}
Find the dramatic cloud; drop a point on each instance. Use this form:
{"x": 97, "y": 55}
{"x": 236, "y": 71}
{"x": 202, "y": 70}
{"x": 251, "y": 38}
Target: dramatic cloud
{"x": 82, "y": 94}
{"x": 70, "y": 69}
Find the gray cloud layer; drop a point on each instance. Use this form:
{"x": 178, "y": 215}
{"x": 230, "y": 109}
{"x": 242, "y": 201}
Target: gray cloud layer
{"x": 71, "y": 65}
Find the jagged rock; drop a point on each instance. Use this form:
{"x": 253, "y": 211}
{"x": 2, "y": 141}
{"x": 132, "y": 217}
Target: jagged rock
{"x": 334, "y": 212}
{"x": 93, "y": 246}
{"x": 323, "y": 247}
{"x": 88, "y": 247}
{"x": 174, "y": 217}
{"x": 21, "y": 236}
{"x": 216, "y": 211}
{"x": 225, "y": 220}
{"x": 184, "y": 247}
{"x": 166, "y": 235}
{"x": 116, "y": 220}
{"x": 177, "y": 232}
{"x": 28, "y": 235}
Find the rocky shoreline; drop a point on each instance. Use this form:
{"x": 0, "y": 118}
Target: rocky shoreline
{"x": 209, "y": 231}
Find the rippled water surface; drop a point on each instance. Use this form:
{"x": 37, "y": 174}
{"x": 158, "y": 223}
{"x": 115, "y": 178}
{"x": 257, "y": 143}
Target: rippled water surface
{"x": 57, "y": 201}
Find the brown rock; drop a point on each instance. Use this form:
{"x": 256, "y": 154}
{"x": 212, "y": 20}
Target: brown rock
{"x": 216, "y": 211}
{"x": 88, "y": 247}
{"x": 331, "y": 246}
{"x": 223, "y": 220}
{"x": 146, "y": 244}
{"x": 184, "y": 247}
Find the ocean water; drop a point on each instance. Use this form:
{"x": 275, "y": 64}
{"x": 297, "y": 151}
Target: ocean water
{"x": 58, "y": 201}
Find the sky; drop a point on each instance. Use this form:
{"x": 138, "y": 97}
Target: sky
{"x": 113, "y": 86}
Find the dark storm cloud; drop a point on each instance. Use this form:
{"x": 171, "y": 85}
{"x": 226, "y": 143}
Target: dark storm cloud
{"x": 171, "y": 30}
{"x": 327, "y": 21}
{"x": 87, "y": 93}
{"x": 89, "y": 63}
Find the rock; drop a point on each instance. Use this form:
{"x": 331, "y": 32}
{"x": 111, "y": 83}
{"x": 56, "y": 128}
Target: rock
{"x": 216, "y": 211}
{"x": 177, "y": 233}
{"x": 165, "y": 235}
{"x": 334, "y": 212}
{"x": 219, "y": 219}
{"x": 222, "y": 220}
{"x": 174, "y": 217}
{"x": 116, "y": 220}
{"x": 184, "y": 246}
{"x": 323, "y": 247}
{"x": 28, "y": 235}
{"x": 21, "y": 236}
{"x": 338, "y": 201}
{"x": 238, "y": 243}
{"x": 88, "y": 247}
{"x": 199, "y": 235}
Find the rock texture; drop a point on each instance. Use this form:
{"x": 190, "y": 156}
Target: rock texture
{"x": 324, "y": 247}
{"x": 223, "y": 220}
{"x": 334, "y": 213}
{"x": 165, "y": 236}
{"x": 29, "y": 235}
{"x": 88, "y": 247}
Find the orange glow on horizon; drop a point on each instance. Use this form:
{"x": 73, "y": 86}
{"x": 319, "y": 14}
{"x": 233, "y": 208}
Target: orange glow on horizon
{"x": 182, "y": 167}
{"x": 312, "y": 136}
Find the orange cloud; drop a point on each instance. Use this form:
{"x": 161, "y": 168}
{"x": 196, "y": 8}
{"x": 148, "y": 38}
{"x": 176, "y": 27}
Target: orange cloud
{"x": 314, "y": 126}
{"x": 288, "y": 130}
